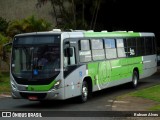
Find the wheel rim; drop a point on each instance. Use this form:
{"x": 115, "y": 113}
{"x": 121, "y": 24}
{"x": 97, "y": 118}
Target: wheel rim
{"x": 84, "y": 92}
{"x": 135, "y": 80}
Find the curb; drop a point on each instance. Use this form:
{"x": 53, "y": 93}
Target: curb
{"x": 4, "y": 96}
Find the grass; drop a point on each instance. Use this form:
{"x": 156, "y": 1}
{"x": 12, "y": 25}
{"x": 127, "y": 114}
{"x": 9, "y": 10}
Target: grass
{"x": 4, "y": 83}
{"x": 155, "y": 108}
{"x": 152, "y": 93}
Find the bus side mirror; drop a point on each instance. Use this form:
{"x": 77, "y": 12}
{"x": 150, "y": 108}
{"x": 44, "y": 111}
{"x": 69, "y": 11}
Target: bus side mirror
{"x": 68, "y": 52}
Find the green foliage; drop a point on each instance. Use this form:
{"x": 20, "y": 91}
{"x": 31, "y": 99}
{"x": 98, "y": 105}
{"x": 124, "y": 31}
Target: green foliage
{"x": 151, "y": 93}
{"x": 155, "y": 108}
{"x": 3, "y": 40}
{"x": 4, "y": 83}
{"x": 30, "y": 24}
{"x": 15, "y": 27}
{"x": 3, "y": 25}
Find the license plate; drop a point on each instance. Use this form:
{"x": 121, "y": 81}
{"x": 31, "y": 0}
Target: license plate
{"x": 32, "y": 98}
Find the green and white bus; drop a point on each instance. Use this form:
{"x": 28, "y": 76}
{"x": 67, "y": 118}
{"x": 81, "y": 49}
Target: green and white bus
{"x": 61, "y": 65}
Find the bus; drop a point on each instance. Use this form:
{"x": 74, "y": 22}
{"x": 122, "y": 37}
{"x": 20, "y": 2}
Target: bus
{"x": 57, "y": 65}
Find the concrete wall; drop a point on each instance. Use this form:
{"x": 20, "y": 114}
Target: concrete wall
{"x": 19, "y": 9}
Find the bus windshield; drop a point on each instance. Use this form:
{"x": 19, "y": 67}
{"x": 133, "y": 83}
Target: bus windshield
{"x": 36, "y": 57}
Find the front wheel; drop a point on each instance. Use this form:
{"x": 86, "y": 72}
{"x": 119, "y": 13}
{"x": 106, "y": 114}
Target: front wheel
{"x": 84, "y": 92}
{"x": 134, "y": 82}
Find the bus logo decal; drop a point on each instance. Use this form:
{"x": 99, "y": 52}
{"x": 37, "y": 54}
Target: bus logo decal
{"x": 80, "y": 74}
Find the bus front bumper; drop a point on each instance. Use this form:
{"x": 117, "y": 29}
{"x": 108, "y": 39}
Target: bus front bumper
{"x": 36, "y": 96}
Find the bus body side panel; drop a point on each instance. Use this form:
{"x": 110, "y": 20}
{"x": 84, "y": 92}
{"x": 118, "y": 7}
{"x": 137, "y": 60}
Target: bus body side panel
{"x": 110, "y": 73}
{"x": 122, "y": 70}
{"x": 73, "y": 82}
{"x": 150, "y": 65}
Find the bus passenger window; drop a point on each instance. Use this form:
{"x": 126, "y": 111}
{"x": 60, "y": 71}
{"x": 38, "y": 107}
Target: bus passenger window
{"x": 84, "y": 51}
{"x": 132, "y": 46}
{"x": 110, "y": 48}
{"x": 148, "y": 45}
{"x": 121, "y": 48}
{"x": 97, "y": 49}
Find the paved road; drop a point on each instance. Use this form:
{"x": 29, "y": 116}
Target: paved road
{"x": 101, "y": 101}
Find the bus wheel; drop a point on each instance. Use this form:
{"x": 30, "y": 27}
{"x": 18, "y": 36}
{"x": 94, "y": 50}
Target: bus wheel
{"x": 134, "y": 79}
{"x": 84, "y": 92}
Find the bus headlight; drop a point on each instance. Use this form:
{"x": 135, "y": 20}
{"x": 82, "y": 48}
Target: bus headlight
{"x": 56, "y": 85}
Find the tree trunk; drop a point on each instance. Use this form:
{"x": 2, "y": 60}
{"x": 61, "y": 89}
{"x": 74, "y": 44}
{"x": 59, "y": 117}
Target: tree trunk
{"x": 98, "y": 6}
{"x": 55, "y": 13}
{"x": 83, "y": 12}
{"x": 74, "y": 14}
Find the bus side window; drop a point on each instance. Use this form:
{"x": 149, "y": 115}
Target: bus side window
{"x": 69, "y": 56}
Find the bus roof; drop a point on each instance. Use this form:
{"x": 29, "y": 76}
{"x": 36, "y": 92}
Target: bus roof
{"x": 75, "y": 34}
{"x": 116, "y": 34}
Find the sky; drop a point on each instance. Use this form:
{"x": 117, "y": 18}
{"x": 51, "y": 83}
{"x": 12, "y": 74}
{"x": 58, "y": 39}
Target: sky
{"x": 136, "y": 15}
{"x": 130, "y": 15}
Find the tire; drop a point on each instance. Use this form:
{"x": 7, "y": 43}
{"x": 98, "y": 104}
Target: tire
{"x": 84, "y": 92}
{"x": 134, "y": 82}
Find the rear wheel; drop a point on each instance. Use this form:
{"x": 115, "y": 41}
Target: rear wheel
{"x": 84, "y": 92}
{"x": 134, "y": 82}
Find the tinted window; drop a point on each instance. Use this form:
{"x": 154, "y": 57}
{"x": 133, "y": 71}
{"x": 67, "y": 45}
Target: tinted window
{"x": 85, "y": 56}
{"x": 131, "y": 42}
{"x": 84, "y": 45}
{"x": 111, "y": 53}
{"x": 97, "y": 44}
{"x": 131, "y": 47}
{"x": 109, "y": 43}
{"x": 110, "y": 50}
{"x": 85, "y": 52}
{"x": 98, "y": 54}
{"x": 45, "y": 39}
{"x": 97, "y": 49}
{"x": 120, "y": 43}
{"x": 121, "y": 48}
{"x": 154, "y": 46}
{"x": 148, "y": 45}
{"x": 140, "y": 46}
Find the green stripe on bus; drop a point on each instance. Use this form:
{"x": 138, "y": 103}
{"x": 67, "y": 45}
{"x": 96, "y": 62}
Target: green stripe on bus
{"x": 116, "y": 69}
{"x": 41, "y": 87}
{"x": 111, "y": 34}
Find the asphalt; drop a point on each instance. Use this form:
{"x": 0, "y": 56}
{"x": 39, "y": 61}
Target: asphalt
{"x": 125, "y": 103}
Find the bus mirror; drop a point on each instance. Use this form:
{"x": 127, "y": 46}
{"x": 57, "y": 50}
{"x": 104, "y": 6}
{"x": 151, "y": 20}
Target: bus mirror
{"x": 68, "y": 52}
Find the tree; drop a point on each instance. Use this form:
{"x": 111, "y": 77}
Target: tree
{"x": 3, "y": 25}
{"x": 96, "y": 5}
{"x": 69, "y": 15}
{"x": 3, "y": 40}
{"x": 15, "y": 27}
{"x": 30, "y": 24}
